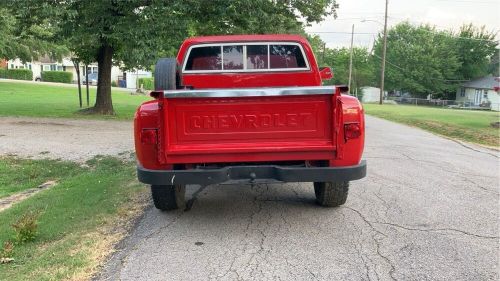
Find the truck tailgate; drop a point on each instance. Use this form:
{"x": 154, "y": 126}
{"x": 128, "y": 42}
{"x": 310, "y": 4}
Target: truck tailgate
{"x": 248, "y": 125}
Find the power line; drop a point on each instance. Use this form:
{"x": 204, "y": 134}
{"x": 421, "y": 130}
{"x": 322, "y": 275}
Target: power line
{"x": 429, "y": 31}
{"x": 465, "y": 1}
{"x": 342, "y": 32}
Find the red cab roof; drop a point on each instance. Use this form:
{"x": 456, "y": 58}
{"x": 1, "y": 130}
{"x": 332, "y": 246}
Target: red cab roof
{"x": 244, "y": 38}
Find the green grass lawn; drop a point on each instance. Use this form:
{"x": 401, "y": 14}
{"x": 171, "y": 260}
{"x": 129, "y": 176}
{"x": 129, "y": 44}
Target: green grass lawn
{"x": 467, "y": 125}
{"x": 18, "y": 174}
{"x": 78, "y": 217}
{"x": 39, "y": 100}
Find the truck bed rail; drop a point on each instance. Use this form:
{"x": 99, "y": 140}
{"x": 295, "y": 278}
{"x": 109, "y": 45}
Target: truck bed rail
{"x": 251, "y": 92}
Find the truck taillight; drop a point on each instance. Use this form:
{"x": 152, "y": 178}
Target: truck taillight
{"x": 149, "y": 136}
{"x": 352, "y": 131}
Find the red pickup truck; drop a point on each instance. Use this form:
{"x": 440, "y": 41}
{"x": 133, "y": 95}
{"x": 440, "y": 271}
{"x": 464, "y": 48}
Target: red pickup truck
{"x": 247, "y": 108}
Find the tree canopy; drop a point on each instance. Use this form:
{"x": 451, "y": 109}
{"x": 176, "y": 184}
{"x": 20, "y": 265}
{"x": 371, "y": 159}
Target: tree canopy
{"x": 25, "y": 34}
{"x": 363, "y": 73}
{"x": 422, "y": 60}
{"x": 419, "y": 59}
{"x": 475, "y": 48}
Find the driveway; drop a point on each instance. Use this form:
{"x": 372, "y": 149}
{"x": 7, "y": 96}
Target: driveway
{"x": 428, "y": 210}
{"x": 67, "y": 139}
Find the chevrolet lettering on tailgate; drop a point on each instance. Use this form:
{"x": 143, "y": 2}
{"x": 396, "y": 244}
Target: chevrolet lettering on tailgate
{"x": 249, "y": 121}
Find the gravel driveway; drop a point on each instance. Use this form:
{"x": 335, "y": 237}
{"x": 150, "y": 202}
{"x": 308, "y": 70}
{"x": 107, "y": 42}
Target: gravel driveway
{"x": 68, "y": 139}
{"x": 428, "y": 210}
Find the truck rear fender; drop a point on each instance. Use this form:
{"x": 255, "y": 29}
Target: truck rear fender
{"x": 147, "y": 135}
{"x": 350, "y": 119}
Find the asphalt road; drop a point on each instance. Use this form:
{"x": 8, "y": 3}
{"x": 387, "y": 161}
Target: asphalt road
{"x": 428, "y": 210}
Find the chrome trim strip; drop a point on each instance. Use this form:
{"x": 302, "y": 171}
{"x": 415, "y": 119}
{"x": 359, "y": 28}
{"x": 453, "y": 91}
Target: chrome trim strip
{"x": 250, "y": 92}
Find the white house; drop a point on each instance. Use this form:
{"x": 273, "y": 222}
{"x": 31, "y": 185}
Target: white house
{"x": 48, "y": 64}
{"x": 132, "y": 77}
{"x": 480, "y": 92}
{"x": 371, "y": 94}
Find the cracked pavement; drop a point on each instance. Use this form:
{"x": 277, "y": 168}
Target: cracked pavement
{"x": 427, "y": 210}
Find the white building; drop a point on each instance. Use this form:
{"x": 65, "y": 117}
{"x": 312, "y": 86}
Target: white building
{"x": 48, "y": 64}
{"x": 371, "y": 94}
{"x": 481, "y": 92}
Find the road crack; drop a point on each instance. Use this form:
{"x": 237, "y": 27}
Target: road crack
{"x": 436, "y": 230}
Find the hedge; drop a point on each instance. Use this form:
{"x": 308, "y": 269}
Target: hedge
{"x": 18, "y": 74}
{"x": 57, "y": 76}
{"x": 147, "y": 83}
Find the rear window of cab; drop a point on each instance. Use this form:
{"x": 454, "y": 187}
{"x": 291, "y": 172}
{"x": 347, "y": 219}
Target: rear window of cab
{"x": 253, "y": 57}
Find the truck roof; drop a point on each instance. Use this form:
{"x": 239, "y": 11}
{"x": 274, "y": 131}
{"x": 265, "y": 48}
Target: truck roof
{"x": 245, "y": 38}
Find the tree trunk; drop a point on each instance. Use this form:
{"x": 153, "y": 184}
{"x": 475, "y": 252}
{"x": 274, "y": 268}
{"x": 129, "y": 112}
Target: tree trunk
{"x": 87, "y": 82}
{"x": 77, "y": 68}
{"x": 103, "y": 102}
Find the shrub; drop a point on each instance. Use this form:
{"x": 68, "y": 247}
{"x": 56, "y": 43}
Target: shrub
{"x": 7, "y": 250}
{"x": 26, "y": 226}
{"x": 113, "y": 84}
{"x": 18, "y": 74}
{"x": 147, "y": 83}
{"x": 57, "y": 76}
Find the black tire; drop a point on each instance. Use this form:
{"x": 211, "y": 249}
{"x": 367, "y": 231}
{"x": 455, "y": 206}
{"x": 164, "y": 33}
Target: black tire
{"x": 168, "y": 197}
{"x": 331, "y": 194}
{"x": 165, "y": 74}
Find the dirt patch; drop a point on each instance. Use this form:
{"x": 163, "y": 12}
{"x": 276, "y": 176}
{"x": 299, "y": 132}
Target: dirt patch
{"x": 40, "y": 123}
{"x": 9, "y": 201}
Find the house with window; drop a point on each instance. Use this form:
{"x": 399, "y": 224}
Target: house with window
{"x": 66, "y": 64}
{"x": 48, "y": 64}
{"x": 481, "y": 92}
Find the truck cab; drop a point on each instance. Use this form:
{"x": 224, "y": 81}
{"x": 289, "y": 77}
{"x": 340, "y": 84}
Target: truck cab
{"x": 247, "y": 108}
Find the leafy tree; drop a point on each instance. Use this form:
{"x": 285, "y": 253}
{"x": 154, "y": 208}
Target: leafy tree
{"x": 419, "y": 59}
{"x": 127, "y": 33}
{"x": 319, "y": 48}
{"x": 27, "y": 35}
{"x": 255, "y": 16}
{"x": 7, "y": 22}
{"x": 362, "y": 67}
{"x": 475, "y": 48}
{"x": 494, "y": 66}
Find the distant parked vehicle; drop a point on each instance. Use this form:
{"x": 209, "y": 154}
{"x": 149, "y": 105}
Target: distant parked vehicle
{"x": 92, "y": 79}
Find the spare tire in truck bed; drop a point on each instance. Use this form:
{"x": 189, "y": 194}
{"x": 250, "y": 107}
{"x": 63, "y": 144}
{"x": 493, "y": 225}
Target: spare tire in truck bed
{"x": 165, "y": 74}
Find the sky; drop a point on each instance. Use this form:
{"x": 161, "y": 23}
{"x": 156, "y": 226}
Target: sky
{"x": 444, "y": 14}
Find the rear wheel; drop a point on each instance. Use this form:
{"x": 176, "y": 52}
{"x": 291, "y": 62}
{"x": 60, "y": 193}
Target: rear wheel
{"x": 165, "y": 74}
{"x": 331, "y": 194}
{"x": 168, "y": 197}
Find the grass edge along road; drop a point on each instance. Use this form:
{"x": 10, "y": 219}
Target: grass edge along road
{"x": 42, "y": 100}
{"x": 80, "y": 220}
{"x": 465, "y": 125}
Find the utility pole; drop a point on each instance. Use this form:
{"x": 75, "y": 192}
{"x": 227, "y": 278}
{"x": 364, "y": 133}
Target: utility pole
{"x": 382, "y": 72}
{"x": 350, "y": 60}
{"x": 323, "y": 55}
